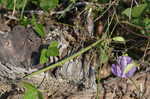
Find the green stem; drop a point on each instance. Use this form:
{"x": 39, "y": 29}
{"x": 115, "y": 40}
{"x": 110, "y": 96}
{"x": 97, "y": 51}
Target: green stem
{"x": 25, "y": 2}
{"x": 60, "y": 63}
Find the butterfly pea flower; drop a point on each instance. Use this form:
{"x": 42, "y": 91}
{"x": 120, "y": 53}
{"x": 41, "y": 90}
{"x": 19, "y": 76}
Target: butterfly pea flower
{"x": 125, "y": 67}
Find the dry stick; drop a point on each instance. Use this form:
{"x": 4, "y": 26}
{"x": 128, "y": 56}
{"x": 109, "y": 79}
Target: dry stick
{"x": 110, "y": 5}
{"x": 130, "y": 31}
{"x": 60, "y": 63}
{"x": 145, "y": 52}
{"x": 133, "y": 25}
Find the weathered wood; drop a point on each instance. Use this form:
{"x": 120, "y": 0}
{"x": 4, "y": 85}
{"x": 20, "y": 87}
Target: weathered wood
{"x": 16, "y": 48}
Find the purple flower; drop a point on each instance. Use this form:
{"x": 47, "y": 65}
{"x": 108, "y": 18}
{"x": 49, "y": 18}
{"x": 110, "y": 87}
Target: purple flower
{"x": 120, "y": 68}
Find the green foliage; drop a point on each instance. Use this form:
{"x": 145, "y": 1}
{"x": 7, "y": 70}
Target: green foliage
{"x": 147, "y": 26}
{"x": 103, "y": 50}
{"x": 31, "y": 91}
{"x": 73, "y": 1}
{"x": 51, "y": 51}
{"x": 43, "y": 57}
{"x": 25, "y": 21}
{"x": 143, "y": 22}
{"x": 103, "y": 55}
{"x": 60, "y": 63}
{"x": 118, "y": 39}
{"x": 19, "y": 4}
{"x": 48, "y": 4}
{"x": 135, "y": 11}
{"x": 127, "y": 12}
{"x": 103, "y": 1}
{"x": 10, "y": 4}
{"x": 138, "y": 14}
{"x": 39, "y": 28}
{"x": 33, "y": 20}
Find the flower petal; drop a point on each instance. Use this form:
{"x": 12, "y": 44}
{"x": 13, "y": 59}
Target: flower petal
{"x": 116, "y": 70}
{"x": 123, "y": 61}
{"x": 128, "y": 59}
{"x": 121, "y": 65}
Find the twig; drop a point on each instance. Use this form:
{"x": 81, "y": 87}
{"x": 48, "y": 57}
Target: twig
{"x": 133, "y": 25}
{"x": 130, "y": 31}
{"x": 110, "y": 5}
{"x": 145, "y": 52}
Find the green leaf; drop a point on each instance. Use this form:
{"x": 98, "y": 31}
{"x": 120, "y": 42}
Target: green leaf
{"x": 53, "y": 49}
{"x": 29, "y": 94}
{"x": 135, "y": 11}
{"x": 25, "y": 21}
{"x": 147, "y": 26}
{"x": 39, "y": 28}
{"x": 53, "y": 44}
{"x": 48, "y": 4}
{"x": 138, "y": 10}
{"x": 20, "y": 3}
{"x": 10, "y": 4}
{"x": 147, "y": 22}
{"x": 31, "y": 91}
{"x": 33, "y": 20}
{"x": 40, "y": 95}
{"x": 119, "y": 39}
{"x": 28, "y": 86}
{"x": 127, "y": 12}
{"x": 35, "y": 2}
{"x": 43, "y": 57}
